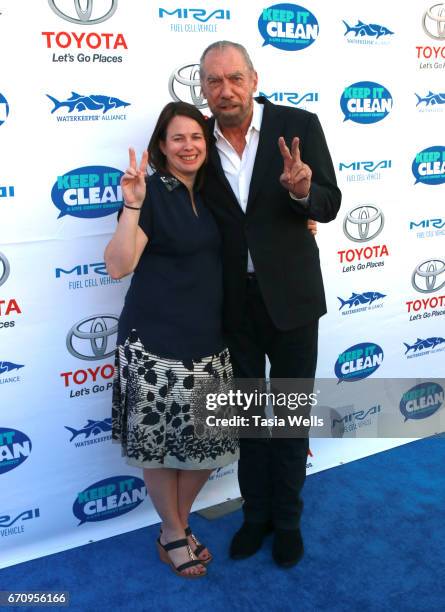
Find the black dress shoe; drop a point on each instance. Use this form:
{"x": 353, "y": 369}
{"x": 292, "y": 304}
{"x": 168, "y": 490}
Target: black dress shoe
{"x": 287, "y": 547}
{"x": 249, "y": 539}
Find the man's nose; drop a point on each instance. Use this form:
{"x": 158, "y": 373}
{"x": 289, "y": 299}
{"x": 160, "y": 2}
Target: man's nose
{"x": 226, "y": 89}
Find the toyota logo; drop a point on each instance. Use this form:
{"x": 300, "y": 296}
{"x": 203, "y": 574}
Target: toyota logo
{"x": 184, "y": 85}
{"x": 4, "y": 269}
{"x": 363, "y": 223}
{"x": 88, "y": 339}
{"x": 84, "y": 10}
{"x": 425, "y": 276}
{"x": 434, "y": 21}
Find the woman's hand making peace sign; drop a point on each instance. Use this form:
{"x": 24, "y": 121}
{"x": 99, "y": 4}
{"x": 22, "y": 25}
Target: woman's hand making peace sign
{"x": 133, "y": 181}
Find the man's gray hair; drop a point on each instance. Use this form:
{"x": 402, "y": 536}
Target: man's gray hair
{"x": 220, "y": 45}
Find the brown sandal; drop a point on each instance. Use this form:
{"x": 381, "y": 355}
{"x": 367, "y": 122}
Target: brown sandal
{"x": 199, "y": 547}
{"x": 165, "y": 557}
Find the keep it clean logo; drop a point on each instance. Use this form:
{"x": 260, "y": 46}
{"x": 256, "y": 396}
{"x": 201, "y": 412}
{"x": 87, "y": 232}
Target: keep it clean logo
{"x": 366, "y": 102}
{"x": 88, "y": 192}
{"x": 288, "y": 27}
{"x": 428, "y": 166}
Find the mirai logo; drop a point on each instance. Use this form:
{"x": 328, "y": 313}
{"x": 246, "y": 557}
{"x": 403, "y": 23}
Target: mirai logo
{"x": 201, "y": 15}
{"x": 427, "y": 223}
{"x": 288, "y": 97}
{"x": 84, "y": 269}
{"x": 366, "y": 166}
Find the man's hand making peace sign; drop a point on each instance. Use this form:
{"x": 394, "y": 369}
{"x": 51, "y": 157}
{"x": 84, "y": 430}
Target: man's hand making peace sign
{"x": 297, "y": 175}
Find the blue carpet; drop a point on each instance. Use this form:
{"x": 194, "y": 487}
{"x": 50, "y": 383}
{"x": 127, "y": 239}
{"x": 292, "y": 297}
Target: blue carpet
{"x": 374, "y": 532}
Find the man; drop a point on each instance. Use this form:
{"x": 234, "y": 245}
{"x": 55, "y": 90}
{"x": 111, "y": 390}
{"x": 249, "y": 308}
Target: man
{"x": 269, "y": 172}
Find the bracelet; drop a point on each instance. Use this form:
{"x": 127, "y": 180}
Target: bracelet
{"x": 131, "y": 207}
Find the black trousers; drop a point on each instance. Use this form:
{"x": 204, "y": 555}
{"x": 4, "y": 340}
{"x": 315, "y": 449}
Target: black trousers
{"x": 272, "y": 471}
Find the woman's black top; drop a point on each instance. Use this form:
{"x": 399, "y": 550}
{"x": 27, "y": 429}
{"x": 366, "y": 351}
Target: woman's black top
{"x": 175, "y": 298}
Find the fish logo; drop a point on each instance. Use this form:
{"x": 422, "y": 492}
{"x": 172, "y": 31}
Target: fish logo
{"x": 372, "y": 30}
{"x": 422, "y": 345}
{"x": 360, "y": 299}
{"x": 92, "y": 427}
{"x": 8, "y": 366}
{"x": 431, "y": 99}
{"x": 93, "y": 103}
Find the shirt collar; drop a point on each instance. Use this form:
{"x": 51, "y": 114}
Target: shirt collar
{"x": 170, "y": 182}
{"x": 255, "y": 123}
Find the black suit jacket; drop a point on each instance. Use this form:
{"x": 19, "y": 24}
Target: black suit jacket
{"x": 274, "y": 227}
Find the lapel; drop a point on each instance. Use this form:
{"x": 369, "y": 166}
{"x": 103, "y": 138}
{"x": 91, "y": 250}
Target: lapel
{"x": 271, "y": 130}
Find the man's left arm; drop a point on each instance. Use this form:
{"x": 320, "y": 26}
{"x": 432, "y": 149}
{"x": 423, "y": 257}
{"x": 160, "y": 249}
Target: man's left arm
{"x": 310, "y": 175}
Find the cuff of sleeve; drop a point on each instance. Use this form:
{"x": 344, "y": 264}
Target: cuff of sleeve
{"x": 302, "y": 201}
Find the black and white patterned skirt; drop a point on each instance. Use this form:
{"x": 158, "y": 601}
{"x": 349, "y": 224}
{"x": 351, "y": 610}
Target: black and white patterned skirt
{"x": 155, "y": 409}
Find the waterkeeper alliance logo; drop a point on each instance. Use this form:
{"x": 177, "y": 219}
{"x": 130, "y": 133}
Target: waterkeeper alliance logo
{"x": 288, "y": 27}
{"x": 428, "y": 228}
{"x": 91, "y": 433}
{"x": 358, "y": 171}
{"x": 194, "y": 20}
{"x": 9, "y": 307}
{"x": 109, "y": 498}
{"x": 184, "y": 85}
{"x": 9, "y": 372}
{"x": 365, "y": 102}
{"x": 86, "y": 276}
{"x": 88, "y": 193}
{"x": 421, "y": 401}
{"x": 431, "y": 102}
{"x": 428, "y": 166}
{"x": 94, "y": 107}
{"x": 292, "y": 98}
{"x": 13, "y": 524}
{"x": 433, "y": 26}
{"x": 367, "y": 33}
{"x": 424, "y": 346}
{"x": 362, "y": 224}
{"x": 79, "y": 46}
{"x": 358, "y": 362}
{"x": 4, "y": 109}
{"x": 361, "y": 302}
{"x": 15, "y": 448}
{"x": 428, "y": 277}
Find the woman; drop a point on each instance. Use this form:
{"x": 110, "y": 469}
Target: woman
{"x": 170, "y": 335}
